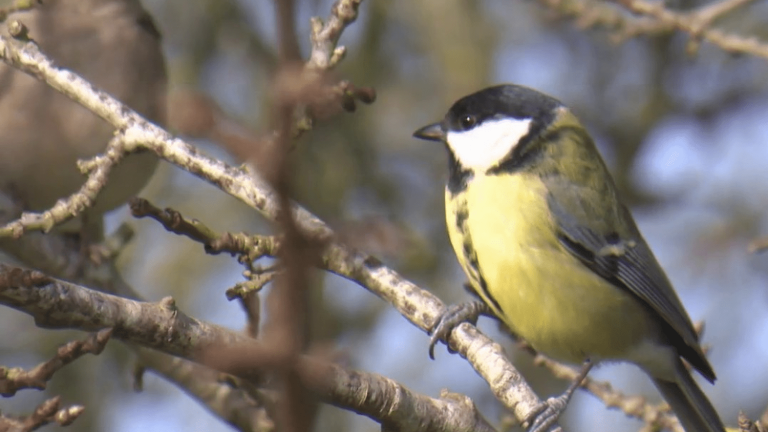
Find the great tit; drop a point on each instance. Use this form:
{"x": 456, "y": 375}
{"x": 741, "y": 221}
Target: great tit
{"x": 537, "y": 225}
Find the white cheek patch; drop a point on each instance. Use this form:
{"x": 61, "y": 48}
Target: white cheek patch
{"x": 485, "y": 145}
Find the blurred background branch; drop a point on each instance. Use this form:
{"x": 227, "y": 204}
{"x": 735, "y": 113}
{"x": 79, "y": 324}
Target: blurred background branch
{"x": 47, "y": 412}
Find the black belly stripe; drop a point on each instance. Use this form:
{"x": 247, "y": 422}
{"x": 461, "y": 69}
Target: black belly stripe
{"x": 470, "y": 257}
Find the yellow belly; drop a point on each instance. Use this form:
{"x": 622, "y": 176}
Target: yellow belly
{"x": 545, "y": 295}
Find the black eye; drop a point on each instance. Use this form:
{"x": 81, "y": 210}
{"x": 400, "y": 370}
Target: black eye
{"x": 467, "y": 121}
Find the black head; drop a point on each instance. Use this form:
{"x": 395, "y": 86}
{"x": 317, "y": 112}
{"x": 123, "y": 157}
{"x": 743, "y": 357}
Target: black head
{"x": 493, "y": 103}
{"x": 502, "y": 101}
{"x": 494, "y": 130}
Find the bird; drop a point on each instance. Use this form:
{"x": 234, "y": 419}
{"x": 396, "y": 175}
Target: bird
{"x": 537, "y": 225}
{"x": 116, "y": 46}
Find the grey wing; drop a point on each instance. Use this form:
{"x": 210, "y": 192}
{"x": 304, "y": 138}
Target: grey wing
{"x": 610, "y": 244}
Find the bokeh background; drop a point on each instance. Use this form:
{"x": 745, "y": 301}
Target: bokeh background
{"x": 685, "y": 136}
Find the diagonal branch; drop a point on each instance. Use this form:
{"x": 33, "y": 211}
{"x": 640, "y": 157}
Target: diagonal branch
{"x": 58, "y": 304}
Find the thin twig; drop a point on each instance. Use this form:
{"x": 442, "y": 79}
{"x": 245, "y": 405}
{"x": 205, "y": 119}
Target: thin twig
{"x": 14, "y": 379}
{"x": 695, "y": 23}
{"x": 47, "y": 412}
{"x": 657, "y": 19}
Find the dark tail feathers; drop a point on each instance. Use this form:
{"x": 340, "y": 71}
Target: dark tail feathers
{"x": 692, "y": 407}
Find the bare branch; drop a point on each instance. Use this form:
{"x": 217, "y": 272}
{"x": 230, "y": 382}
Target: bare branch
{"x": 632, "y": 405}
{"x": 325, "y": 36}
{"x": 98, "y": 167}
{"x": 255, "y": 247}
{"x": 230, "y": 402}
{"x": 709, "y": 13}
{"x": 14, "y": 379}
{"x": 419, "y": 306}
{"x": 376, "y": 397}
{"x": 163, "y": 327}
{"x": 56, "y": 256}
{"x": 695, "y": 23}
{"x": 64, "y": 210}
{"x": 658, "y": 20}
{"x": 603, "y": 15}
{"x": 172, "y": 220}
{"x": 47, "y": 412}
{"x": 325, "y": 55}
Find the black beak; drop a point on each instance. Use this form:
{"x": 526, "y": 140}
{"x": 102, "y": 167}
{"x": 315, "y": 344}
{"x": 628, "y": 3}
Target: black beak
{"x": 433, "y": 132}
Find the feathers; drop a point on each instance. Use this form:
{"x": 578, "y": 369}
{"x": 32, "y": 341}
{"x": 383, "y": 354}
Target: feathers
{"x": 483, "y": 146}
{"x": 535, "y": 220}
{"x": 610, "y": 244}
{"x": 692, "y": 407}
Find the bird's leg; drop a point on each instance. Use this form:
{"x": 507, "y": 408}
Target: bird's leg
{"x": 546, "y": 414}
{"x": 455, "y": 315}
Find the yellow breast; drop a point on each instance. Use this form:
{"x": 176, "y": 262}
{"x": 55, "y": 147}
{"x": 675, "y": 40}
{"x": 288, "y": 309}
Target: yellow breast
{"x": 505, "y": 239}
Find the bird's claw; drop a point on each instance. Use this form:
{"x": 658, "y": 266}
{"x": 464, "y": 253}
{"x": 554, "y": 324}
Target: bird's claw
{"x": 546, "y": 414}
{"x": 455, "y": 315}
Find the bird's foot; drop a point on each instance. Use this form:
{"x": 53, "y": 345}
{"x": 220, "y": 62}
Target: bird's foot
{"x": 455, "y": 315}
{"x": 545, "y": 416}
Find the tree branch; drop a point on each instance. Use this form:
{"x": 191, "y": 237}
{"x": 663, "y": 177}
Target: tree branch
{"x": 14, "y": 379}
{"x": 56, "y": 256}
{"x": 47, "y": 412}
{"x": 656, "y": 19}
{"x": 418, "y": 306}
{"x": 695, "y": 23}
{"x": 250, "y": 248}
{"x": 58, "y": 304}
